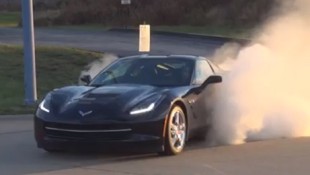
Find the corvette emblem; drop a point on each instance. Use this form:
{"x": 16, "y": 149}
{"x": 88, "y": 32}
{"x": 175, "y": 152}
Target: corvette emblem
{"x": 83, "y": 114}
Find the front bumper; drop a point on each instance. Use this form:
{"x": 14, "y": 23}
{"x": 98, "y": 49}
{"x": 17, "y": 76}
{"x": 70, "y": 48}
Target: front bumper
{"x": 141, "y": 136}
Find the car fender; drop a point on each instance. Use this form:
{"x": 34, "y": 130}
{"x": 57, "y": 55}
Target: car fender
{"x": 188, "y": 112}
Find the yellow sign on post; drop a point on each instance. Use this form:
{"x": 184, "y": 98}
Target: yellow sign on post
{"x": 145, "y": 38}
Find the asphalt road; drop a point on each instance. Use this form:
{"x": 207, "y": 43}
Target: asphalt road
{"x": 19, "y": 155}
{"x": 120, "y": 43}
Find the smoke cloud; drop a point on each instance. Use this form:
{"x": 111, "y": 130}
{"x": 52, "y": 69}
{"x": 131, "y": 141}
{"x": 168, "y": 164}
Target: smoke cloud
{"x": 266, "y": 93}
{"x": 96, "y": 66}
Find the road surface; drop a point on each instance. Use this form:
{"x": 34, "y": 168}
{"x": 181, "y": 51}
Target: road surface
{"x": 120, "y": 43}
{"x": 19, "y": 155}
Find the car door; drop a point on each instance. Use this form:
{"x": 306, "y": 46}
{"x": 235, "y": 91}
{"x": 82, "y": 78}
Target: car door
{"x": 199, "y": 101}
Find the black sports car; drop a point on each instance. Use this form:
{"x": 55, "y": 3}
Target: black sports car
{"x": 152, "y": 102}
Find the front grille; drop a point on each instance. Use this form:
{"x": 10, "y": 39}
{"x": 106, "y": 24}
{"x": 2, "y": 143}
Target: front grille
{"x": 85, "y": 126}
{"x": 88, "y": 132}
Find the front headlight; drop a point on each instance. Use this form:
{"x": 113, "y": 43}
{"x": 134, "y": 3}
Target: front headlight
{"x": 146, "y": 106}
{"x": 44, "y": 105}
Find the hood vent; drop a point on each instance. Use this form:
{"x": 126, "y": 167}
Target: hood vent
{"x": 101, "y": 96}
{"x": 97, "y": 97}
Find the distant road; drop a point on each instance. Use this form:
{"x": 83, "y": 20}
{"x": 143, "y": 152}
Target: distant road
{"x": 121, "y": 43}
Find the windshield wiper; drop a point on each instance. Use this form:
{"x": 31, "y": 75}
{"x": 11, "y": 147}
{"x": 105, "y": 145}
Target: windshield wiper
{"x": 97, "y": 85}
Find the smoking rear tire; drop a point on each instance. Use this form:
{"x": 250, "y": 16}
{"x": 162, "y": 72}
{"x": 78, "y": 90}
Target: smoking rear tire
{"x": 176, "y": 128}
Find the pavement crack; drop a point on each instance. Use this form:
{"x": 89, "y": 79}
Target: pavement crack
{"x": 111, "y": 171}
{"x": 215, "y": 169}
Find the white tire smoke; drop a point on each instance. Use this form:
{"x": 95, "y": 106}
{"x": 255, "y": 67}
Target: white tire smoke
{"x": 96, "y": 66}
{"x": 266, "y": 93}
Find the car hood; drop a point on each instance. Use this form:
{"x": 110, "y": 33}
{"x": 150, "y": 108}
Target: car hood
{"x": 105, "y": 101}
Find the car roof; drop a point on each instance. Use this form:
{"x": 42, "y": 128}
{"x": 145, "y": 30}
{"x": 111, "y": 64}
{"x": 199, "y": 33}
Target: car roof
{"x": 146, "y": 56}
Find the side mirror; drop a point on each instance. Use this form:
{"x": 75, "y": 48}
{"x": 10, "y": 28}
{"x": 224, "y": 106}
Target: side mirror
{"x": 212, "y": 79}
{"x": 86, "y": 79}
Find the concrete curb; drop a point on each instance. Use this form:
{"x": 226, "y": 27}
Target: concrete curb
{"x": 16, "y": 116}
{"x": 188, "y": 35}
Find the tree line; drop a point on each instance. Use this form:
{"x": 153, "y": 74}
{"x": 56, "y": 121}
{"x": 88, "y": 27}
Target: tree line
{"x": 155, "y": 12}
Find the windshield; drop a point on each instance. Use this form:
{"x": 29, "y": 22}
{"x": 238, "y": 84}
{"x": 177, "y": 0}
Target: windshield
{"x": 147, "y": 71}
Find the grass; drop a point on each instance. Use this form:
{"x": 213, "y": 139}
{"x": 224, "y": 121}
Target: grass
{"x": 56, "y": 67}
{"x": 9, "y": 19}
{"x": 222, "y": 31}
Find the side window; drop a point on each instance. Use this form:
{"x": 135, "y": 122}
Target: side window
{"x": 202, "y": 71}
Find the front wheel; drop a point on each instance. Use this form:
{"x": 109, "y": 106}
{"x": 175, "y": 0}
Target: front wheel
{"x": 176, "y": 132}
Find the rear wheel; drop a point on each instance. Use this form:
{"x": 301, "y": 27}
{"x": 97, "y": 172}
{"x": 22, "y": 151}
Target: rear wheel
{"x": 176, "y": 132}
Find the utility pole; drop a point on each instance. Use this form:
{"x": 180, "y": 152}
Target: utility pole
{"x": 30, "y": 84}
{"x": 126, "y": 7}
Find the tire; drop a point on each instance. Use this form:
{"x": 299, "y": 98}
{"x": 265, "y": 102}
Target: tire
{"x": 176, "y": 129}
